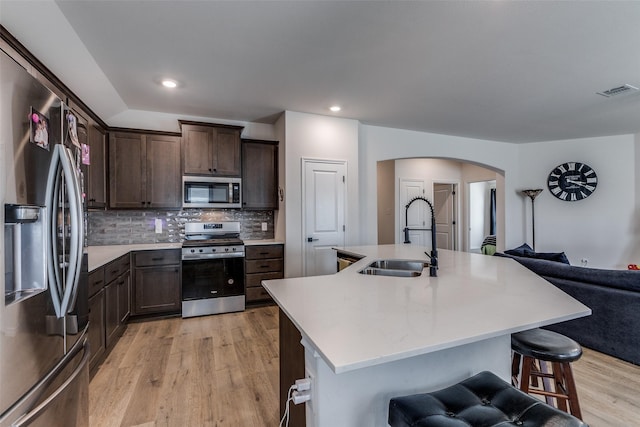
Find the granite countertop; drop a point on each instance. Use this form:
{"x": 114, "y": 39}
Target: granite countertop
{"x": 263, "y": 242}
{"x": 101, "y": 255}
{"x": 355, "y": 321}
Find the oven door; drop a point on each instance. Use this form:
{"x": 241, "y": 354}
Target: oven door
{"x": 212, "y": 278}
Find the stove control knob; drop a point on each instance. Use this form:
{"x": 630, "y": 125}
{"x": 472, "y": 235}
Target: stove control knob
{"x": 200, "y": 250}
{"x": 234, "y": 249}
{"x": 226, "y": 249}
{"x": 193, "y": 250}
{"x": 213, "y": 249}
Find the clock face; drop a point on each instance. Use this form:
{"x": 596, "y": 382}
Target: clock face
{"x": 572, "y": 181}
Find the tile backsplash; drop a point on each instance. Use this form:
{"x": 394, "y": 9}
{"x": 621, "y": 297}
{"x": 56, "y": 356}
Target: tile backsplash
{"x": 133, "y": 227}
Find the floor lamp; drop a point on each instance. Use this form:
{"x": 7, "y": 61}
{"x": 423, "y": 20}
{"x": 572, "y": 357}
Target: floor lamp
{"x": 532, "y": 194}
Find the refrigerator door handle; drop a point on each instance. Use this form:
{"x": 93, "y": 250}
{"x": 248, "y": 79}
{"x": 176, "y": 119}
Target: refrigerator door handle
{"x": 64, "y": 287}
{"x": 53, "y": 188}
{"x": 38, "y": 410}
{"x": 77, "y": 236}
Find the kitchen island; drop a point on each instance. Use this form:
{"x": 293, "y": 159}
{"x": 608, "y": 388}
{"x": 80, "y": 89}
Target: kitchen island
{"x": 368, "y": 338}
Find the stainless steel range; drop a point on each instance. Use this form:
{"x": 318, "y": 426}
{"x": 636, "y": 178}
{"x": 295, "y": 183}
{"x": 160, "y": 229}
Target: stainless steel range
{"x": 212, "y": 269}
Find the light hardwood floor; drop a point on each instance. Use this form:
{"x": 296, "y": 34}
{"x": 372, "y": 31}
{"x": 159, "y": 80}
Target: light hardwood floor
{"x": 223, "y": 371}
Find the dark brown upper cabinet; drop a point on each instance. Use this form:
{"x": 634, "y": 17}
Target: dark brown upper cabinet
{"x": 259, "y": 174}
{"x": 96, "y": 177}
{"x": 144, "y": 170}
{"x": 210, "y": 150}
{"x": 94, "y": 173}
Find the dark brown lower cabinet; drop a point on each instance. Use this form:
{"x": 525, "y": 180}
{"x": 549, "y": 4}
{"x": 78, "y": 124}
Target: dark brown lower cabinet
{"x": 117, "y": 296}
{"x": 124, "y": 297}
{"x": 97, "y": 333}
{"x": 291, "y": 367}
{"x": 262, "y": 262}
{"x": 112, "y": 322}
{"x": 157, "y": 282}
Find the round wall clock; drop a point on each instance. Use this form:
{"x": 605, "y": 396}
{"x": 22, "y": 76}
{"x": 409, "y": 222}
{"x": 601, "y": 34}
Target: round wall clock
{"x": 572, "y": 181}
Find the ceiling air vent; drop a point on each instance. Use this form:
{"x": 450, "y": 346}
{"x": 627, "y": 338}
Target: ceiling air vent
{"x": 618, "y": 91}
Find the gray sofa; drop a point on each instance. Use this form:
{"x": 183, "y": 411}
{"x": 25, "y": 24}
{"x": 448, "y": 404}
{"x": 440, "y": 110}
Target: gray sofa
{"x": 614, "y": 299}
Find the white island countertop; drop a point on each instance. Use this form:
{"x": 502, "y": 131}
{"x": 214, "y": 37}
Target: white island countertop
{"x": 355, "y": 321}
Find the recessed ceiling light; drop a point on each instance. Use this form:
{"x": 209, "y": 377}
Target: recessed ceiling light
{"x": 335, "y": 108}
{"x": 169, "y": 83}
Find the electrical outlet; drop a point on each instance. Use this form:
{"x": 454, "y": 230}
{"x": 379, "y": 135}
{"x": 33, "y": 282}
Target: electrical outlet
{"x": 264, "y": 226}
{"x": 158, "y": 226}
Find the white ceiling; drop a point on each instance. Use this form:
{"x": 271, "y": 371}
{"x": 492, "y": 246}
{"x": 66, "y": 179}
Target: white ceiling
{"x": 499, "y": 70}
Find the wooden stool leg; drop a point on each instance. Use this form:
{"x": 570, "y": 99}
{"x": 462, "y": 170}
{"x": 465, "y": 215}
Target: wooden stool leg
{"x": 515, "y": 369}
{"x": 560, "y": 386}
{"x": 525, "y": 376}
{"x": 571, "y": 390}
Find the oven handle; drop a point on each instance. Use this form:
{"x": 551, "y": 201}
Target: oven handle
{"x": 196, "y": 257}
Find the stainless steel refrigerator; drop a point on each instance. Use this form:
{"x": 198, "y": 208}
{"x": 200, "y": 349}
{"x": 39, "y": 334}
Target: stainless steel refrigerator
{"x": 44, "y": 353}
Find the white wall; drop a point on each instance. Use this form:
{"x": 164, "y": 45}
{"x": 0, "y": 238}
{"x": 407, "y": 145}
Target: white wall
{"x": 318, "y": 137}
{"x": 429, "y": 171}
{"x": 479, "y": 203}
{"x": 600, "y": 228}
{"x": 474, "y": 173}
{"x": 280, "y": 215}
{"x": 632, "y": 252}
{"x": 379, "y": 143}
{"x": 166, "y": 122}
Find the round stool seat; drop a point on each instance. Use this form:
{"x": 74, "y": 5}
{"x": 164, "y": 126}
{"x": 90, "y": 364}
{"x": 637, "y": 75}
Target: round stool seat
{"x": 546, "y": 345}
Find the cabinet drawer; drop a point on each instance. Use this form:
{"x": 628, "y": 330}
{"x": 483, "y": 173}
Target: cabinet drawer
{"x": 263, "y": 265}
{"x": 157, "y": 257}
{"x": 96, "y": 281}
{"x": 257, "y": 294}
{"x": 256, "y": 279}
{"x": 116, "y": 268}
{"x": 263, "y": 251}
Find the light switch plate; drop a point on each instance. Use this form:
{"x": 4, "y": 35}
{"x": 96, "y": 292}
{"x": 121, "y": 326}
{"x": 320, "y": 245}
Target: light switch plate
{"x": 158, "y": 226}
{"x": 264, "y": 226}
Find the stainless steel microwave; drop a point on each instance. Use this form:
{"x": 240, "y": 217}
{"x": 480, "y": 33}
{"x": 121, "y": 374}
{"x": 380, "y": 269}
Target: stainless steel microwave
{"x": 211, "y": 192}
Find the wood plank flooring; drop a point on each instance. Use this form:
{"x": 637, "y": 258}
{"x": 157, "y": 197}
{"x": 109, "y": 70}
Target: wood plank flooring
{"x": 223, "y": 371}
{"x": 205, "y": 371}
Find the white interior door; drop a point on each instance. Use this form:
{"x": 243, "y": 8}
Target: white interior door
{"x": 444, "y": 206}
{"x": 324, "y": 217}
{"x": 416, "y": 216}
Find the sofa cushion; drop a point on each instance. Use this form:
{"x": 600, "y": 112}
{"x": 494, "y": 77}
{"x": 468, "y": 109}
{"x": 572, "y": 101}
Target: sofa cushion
{"x": 520, "y": 250}
{"x": 525, "y": 250}
{"x": 550, "y": 256}
{"x": 620, "y": 279}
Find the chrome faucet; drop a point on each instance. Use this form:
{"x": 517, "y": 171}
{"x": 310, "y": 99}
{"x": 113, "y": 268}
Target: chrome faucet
{"x": 433, "y": 257}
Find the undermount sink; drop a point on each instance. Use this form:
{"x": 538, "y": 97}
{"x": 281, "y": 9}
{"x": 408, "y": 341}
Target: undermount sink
{"x": 395, "y": 268}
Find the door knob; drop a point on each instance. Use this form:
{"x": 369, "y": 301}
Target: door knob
{"x": 311, "y": 239}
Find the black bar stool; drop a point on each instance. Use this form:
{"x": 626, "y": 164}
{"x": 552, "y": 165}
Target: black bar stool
{"x": 482, "y": 400}
{"x": 532, "y": 350}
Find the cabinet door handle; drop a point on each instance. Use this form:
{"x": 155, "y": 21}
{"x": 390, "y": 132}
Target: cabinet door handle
{"x": 142, "y": 203}
{"x": 264, "y": 266}
{"x": 264, "y": 253}
{"x": 157, "y": 259}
